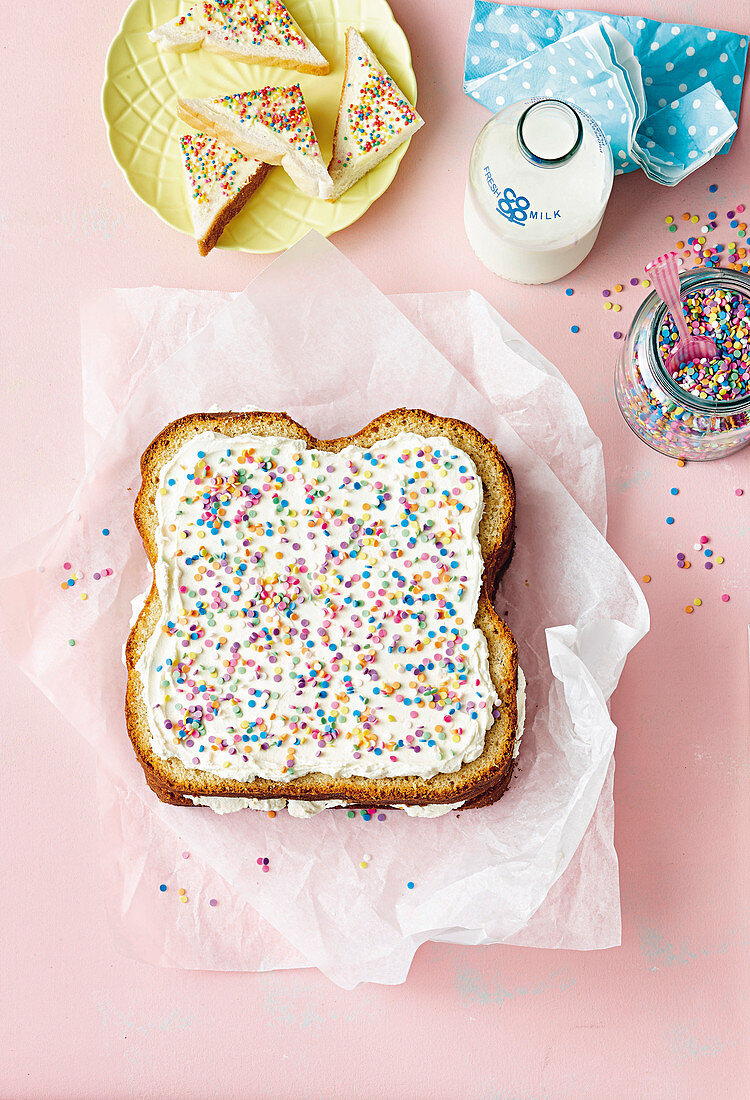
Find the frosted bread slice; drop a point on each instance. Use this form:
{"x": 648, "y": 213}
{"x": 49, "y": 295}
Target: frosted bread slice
{"x": 271, "y": 125}
{"x": 320, "y": 626}
{"x": 219, "y": 180}
{"x": 374, "y": 118}
{"x": 258, "y": 31}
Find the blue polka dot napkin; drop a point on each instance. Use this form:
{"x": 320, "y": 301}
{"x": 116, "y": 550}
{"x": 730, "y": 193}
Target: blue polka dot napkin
{"x": 666, "y": 94}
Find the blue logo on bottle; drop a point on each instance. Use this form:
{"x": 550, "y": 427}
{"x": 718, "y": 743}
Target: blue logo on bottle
{"x": 512, "y": 206}
{"x": 516, "y": 208}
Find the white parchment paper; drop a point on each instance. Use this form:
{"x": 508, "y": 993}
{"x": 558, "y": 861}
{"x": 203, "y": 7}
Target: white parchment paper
{"x": 311, "y": 335}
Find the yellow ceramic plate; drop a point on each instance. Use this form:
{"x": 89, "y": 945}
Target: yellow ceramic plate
{"x": 139, "y": 100}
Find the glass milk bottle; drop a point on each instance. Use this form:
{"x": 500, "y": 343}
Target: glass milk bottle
{"x": 540, "y": 175}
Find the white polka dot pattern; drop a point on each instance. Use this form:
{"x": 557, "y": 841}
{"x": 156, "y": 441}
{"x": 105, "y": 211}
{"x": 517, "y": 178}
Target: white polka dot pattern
{"x": 666, "y": 95}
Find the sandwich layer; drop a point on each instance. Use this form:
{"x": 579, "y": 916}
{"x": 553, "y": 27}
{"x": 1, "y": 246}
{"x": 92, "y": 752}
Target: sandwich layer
{"x": 271, "y": 125}
{"x": 258, "y": 31}
{"x": 219, "y": 181}
{"x": 374, "y": 118}
{"x": 320, "y": 616}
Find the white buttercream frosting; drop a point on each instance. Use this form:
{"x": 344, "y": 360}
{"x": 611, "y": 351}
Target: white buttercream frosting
{"x": 301, "y": 809}
{"x": 374, "y": 117}
{"x": 309, "y": 809}
{"x": 521, "y": 708}
{"x": 245, "y": 29}
{"x": 214, "y": 174}
{"x": 232, "y": 805}
{"x": 318, "y": 610}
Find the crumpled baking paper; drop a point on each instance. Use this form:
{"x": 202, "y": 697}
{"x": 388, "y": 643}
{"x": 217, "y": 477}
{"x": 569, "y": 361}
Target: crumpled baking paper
{"x": 313, "y": 336}
{"x": 667, "y": 95}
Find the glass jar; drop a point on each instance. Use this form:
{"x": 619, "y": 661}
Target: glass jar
{"x": 662, "y": 413}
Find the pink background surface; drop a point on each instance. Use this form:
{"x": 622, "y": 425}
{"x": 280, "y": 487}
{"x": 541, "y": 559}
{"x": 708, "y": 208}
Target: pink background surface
{"x": 663, "y": 1016}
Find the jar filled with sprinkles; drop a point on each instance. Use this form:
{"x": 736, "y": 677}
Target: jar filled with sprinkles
{"x": 702, "y": 410}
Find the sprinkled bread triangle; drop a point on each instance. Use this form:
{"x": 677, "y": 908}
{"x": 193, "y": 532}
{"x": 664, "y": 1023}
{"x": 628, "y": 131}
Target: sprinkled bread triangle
{"x": 258, "y": 31}
{"x": 272, "y": 125}
{"x": 219, "y": 181}
{"x": 375, "y": 117}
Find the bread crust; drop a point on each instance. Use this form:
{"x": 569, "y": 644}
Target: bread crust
{"x": 231, "y": 210}
{"x": 479, "y": 782}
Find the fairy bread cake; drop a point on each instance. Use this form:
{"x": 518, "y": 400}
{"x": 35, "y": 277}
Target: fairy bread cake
{"x": 321, "y": 626}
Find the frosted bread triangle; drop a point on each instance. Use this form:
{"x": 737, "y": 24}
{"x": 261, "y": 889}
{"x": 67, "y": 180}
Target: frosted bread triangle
{"x": 374, "y": 118}
{"x": 272, "y": 125}
{"x": 219, "y": 180}
{"x": 321, "y": 624}
{"x": 260, "y": 31}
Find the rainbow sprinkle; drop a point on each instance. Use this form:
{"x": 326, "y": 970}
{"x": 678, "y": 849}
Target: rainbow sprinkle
{"x": 242, "y": 22}
{"x": 282, "y": 110}
{"x": 321, "y": 606}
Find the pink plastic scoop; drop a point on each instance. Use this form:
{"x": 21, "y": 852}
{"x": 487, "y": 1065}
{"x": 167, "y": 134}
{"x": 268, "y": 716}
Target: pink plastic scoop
{"x": 666, "y": 279}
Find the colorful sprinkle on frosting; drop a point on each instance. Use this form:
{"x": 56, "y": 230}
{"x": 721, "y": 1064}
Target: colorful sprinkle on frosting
{"x": 212, "y": 165}
{"x": 318, "y": 609}
{"x": 242, "y": 22}
{"x": 282, "y": 110}
{"x": 378, "y": 111}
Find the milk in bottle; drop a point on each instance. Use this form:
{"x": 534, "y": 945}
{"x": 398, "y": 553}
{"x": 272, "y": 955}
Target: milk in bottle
{"x": 540, "y": 175}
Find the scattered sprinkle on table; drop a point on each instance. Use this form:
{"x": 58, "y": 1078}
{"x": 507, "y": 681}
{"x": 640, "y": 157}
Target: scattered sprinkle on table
{"x": 738, "y": 492}
{"x": 670, "y": 520}
{"x": 71, "y": 641}
{"x": 263, "y": 863}
{"x": 646, "y": 578}
{"x": 674, "y": 492}
{"x": 689, "y": 610}
{"x": 606, "y": 293}
{"x": 569, "y": 291}
{"x": 410, "y": 886}
{"x": 574, "y": 328}
{"x": 186, "y": 855}
{"x": 617, "y": 335}
{"x": 725, "y": 598}
{"x": 213, "y": 902}
{"x": 105, "y": 530}
{"x": 163, "y": 887}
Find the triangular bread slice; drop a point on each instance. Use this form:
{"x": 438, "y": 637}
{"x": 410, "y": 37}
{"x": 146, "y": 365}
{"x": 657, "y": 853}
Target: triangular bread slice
{"x": 375, "y": 117}
{"x": 258, "y": 31}
{"x": 219, "y": 181}
{"x": 272, "y": 125}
